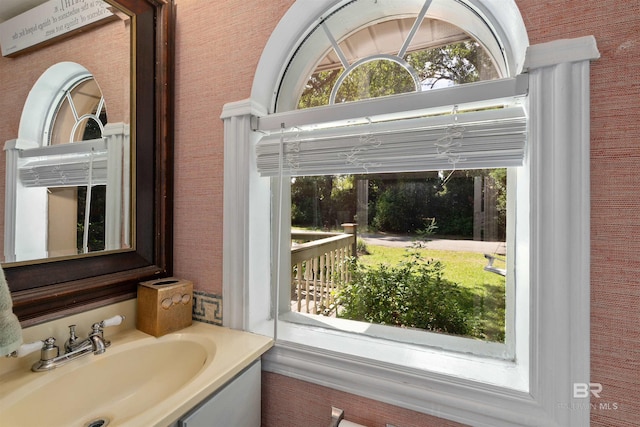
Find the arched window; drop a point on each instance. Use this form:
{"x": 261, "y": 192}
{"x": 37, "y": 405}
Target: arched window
{"x": 405, "y": 52}
{"x": 81, "y": 114}
{"x": 420, "y": 41}
{"x": 317, "y": 110}
{"x": 404, "y": 169}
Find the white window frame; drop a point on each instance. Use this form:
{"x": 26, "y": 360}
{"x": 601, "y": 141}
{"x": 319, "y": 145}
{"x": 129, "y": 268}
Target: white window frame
{"x": 508, "y": 92}
{"x": 537, "y": 387}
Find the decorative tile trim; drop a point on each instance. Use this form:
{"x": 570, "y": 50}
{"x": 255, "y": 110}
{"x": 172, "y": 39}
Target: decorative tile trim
{"x": 207, "y": 308}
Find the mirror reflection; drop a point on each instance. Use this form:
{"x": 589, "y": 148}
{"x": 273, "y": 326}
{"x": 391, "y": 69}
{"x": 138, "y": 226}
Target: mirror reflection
{"x": 68, "y": 167}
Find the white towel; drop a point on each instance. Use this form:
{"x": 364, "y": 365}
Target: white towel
{"x": 10, "y": 330}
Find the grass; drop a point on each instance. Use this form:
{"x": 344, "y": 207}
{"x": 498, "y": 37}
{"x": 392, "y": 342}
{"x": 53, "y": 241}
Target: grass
{"x": 465, "y": 269}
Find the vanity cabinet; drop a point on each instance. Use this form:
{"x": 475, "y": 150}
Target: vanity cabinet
{"x": 236, "y": 404}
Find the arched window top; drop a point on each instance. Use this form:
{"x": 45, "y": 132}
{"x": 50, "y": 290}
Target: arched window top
{"x": 64, "y": 105}
{"x": 357, "y": 35}
{"x": 80, "y": 114}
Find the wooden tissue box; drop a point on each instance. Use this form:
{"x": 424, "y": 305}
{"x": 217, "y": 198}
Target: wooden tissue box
{"x": 164, "y": 305}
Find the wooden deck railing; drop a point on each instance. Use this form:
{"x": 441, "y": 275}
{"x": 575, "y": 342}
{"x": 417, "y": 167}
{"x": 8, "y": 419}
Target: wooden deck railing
{"x": 315, "y": 266}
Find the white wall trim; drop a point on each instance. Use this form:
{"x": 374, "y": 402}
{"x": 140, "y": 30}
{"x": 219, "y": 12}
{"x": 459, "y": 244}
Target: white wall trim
{"x": 438, "y": 395}
{"x": 238, "y": 170}
{"x": 561, "y": 51}
{"x": 117, "y": 222}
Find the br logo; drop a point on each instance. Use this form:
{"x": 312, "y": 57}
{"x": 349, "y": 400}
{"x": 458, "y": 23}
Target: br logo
{"x": 583, "y": 390}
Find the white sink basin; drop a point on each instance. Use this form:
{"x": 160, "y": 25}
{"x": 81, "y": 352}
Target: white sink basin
{"x": 140, "y": 380}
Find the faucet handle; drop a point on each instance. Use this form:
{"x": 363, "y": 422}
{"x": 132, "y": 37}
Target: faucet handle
{"x": 97, "y": 335}
{"x": 28, "y": 348}
{"x": 112, "y": 321}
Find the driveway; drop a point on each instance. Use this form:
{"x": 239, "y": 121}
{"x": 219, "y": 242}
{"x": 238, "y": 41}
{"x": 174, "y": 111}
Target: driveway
{"x": 400, "y": 241}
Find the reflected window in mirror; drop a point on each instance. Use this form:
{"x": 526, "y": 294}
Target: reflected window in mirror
{"x": 72, "y": 188}
{"x": 81, "y": 114}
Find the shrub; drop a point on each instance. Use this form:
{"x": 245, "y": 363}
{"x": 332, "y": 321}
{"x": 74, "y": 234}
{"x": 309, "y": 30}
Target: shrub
{"x": 361, "y": 246}
{"x": 413, "y": 294}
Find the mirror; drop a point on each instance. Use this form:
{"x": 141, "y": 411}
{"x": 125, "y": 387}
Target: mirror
{"x": 68, "y": 171}
{"x": 59, "y": 286}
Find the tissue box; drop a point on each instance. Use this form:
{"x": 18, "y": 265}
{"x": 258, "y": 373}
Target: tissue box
{"x": 164, "y": 305}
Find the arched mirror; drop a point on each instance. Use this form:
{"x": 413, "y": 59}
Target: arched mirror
{"x": 95, "y": 157}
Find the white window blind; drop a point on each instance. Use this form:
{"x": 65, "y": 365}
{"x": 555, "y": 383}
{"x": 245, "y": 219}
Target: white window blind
{"x": 461, "y": 140}
{"x": 65, "y": 165}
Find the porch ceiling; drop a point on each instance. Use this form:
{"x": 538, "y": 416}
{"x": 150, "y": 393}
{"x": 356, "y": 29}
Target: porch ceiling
{"x": 387, "y": 37}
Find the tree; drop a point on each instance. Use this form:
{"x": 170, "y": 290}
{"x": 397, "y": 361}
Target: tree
{"x": 318, "y": 88}
{"x": 322, "y": 201}
{"x": 458, "y": 63}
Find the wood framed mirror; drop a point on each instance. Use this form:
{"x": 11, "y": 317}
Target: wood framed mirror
{"x": 47, "y": 290}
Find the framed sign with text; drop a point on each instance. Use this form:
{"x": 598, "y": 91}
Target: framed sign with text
{"x": 51, "y": 20}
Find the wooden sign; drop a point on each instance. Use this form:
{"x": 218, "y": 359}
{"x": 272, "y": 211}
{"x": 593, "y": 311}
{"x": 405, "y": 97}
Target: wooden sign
{"x": 50, "y": 20}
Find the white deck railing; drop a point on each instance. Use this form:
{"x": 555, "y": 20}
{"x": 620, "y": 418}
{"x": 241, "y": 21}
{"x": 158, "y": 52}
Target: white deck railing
{"x": 316, "y": 268}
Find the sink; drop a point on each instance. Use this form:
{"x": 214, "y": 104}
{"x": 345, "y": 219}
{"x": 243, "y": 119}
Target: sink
{"x": 111, "y": 388}
{"x": 140, "y": 380}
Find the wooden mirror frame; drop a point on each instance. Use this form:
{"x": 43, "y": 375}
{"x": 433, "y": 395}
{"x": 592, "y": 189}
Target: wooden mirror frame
{"x": 54, "y": 289}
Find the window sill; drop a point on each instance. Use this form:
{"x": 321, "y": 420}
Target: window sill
{"x": 419, "y": 360}
{"x": 417, "y": 339}
{"x": 469, "y": 389}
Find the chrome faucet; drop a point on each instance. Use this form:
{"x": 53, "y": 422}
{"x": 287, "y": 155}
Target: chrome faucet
{"x": 50, "y": 357}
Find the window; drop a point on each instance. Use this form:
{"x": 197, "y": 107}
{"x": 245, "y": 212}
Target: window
{"x": 80, "y": 115}
{"x": 550, "y": 226}
{"x": 387, "y": 58}
{"x": 416, "y": 265}
{"x": 69, "y": 166}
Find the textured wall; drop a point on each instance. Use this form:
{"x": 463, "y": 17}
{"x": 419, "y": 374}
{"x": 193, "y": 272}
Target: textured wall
{"x": 615, "y": 209}
{"x": 219, "y": 45}
{"x": 290, "y": 402}
{"x": 218, "y": 48}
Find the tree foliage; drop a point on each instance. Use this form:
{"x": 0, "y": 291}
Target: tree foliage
{"x": 399, "y": 203}
{"x": 323, "y": 201}
{"x": 97, "y": 215}
{"x": 456, "y": 63}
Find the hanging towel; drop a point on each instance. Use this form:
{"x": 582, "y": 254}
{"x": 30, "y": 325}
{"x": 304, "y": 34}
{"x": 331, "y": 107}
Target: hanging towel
{"x": 10, "y": 331}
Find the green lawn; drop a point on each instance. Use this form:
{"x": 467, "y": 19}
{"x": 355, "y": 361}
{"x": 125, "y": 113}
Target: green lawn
{"x": 465, "y": 269}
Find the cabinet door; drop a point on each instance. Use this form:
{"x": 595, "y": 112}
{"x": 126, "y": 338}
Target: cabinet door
{"x": 237, "y": 404}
